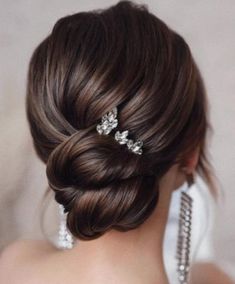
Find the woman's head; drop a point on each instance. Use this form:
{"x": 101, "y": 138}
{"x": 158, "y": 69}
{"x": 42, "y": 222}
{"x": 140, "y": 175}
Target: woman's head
{"x": 121, "y": 56}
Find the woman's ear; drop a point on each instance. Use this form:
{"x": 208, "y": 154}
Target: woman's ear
{"x": 192, "y": 161}
{"x": 187, "y": 167}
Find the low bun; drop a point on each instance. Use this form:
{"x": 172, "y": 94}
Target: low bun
{"x": 89, "y": 160}
{"x": 122, "y": 205}
{"x": 101, "y": 184}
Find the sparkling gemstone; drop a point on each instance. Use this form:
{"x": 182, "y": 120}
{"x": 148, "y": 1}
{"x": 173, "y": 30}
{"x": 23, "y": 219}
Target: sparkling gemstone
{"x": 99, "y": 129}
{"x": 121, "y": 137}
{"x": 108, "y": 122}
{"x": 135, "y": 147}
{"x": 130, "y": 143}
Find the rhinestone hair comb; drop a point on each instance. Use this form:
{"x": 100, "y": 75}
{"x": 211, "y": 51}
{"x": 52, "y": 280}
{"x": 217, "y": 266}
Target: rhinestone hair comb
{"x": 108, "y": 122}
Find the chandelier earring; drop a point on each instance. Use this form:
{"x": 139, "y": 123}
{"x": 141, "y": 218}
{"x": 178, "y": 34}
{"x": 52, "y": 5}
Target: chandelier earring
{"x": 184, "y": 231}
{"x": 65, "y": 239}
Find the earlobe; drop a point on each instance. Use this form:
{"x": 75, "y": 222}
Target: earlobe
{"x": 191, "y": 162}
{"x": 187, "y": 169}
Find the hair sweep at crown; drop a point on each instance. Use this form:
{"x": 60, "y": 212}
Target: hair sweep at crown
{"x": 125, "y": 57}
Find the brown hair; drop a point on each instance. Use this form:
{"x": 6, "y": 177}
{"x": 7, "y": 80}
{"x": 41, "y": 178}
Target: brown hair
{"x": 92, "y": 61}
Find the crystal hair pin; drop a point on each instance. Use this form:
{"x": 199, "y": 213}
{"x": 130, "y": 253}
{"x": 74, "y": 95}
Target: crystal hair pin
{"x": 109, "y": 122}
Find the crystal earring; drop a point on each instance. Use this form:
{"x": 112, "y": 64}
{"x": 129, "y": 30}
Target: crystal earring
{"x": 65, "y": 239}
{"x": 184, "y": 233}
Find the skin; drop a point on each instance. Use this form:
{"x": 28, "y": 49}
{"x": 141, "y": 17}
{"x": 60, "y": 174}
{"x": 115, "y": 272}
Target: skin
{"x": 204, "y": 273}
{"x": 133, "y": 257}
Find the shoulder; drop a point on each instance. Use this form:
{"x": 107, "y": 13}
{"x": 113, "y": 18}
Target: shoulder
{"x": 25, "y": 248}
{"x": 15, "y": 257}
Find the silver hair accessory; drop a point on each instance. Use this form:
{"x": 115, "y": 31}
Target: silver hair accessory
{"x": 184, "y": 234}
{"x": 109, "y": 122}
{"x": 65, "y": 239}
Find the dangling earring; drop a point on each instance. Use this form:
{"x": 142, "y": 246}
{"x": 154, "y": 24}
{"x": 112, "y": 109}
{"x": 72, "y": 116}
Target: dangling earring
{"x": 184, "y": 233}
{"x": 65, "y": 239}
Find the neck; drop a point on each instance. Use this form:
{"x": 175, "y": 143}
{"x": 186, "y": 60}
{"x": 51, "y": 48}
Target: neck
{"x": 140, "y": 249}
